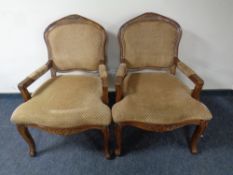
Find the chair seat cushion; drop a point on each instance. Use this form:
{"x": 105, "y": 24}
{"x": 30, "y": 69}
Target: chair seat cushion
{"x": 157, "y": 98}
{"x": 65, "y": 102}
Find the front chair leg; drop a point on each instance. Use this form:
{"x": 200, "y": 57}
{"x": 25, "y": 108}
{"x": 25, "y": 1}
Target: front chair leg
{"x": 105, "y": 131}
{"x": 23, "y": 130}
{"x": 196, "y": 136}
{"x": 118, "y": 134}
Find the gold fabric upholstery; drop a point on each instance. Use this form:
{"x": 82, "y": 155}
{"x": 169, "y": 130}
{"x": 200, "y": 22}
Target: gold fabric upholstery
{"x": 157, "y": 98}
{"x": 122, "y": 70}
{"x": 185, "y": 69}
{"x": 37, "y": 73}
{"x": 77, "y": 45}
{"x": 149, "y": 43}
{"x": 65, "y": 102}
{"x": 103, "y": 71}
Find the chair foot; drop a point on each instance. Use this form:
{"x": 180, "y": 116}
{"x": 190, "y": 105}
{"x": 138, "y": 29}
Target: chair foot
{"x": 118, "y": 135}
{"x": 196, "y": 136}
{"x": 23, "y": 130}
{"x": 106, "y": 134}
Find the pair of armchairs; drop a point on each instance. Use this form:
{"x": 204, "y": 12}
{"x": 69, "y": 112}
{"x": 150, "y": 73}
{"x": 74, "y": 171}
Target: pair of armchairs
{"x": 152, "y": 100}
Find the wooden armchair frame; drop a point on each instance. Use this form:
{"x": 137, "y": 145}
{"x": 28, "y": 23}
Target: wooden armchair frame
{"x": 23, "y": 129}
{"x": 122, "y": 72}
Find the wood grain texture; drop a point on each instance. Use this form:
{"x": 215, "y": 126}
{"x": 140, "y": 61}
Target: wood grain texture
{"x": 106, "y": 136}
{"x": 200, "y": 128}
{"x": 201, "y": 125}
{"x": 118, "y": 138}
{"x": 119, "y": 88}
{"x": 23, "y": 85}
{"x": 66, "y": 131}
{"x": 196, "y": 136}
{"x": 197, "y": 80}
{"x": 24, "y": 132}
{"x": 22, "y": 129}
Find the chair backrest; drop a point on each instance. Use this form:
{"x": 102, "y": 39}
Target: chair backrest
{"x": 149, "y": 41}
{"x": 75, "y": 43}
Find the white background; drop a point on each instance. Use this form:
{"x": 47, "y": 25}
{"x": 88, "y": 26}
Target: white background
{"x": 207, "y": 42}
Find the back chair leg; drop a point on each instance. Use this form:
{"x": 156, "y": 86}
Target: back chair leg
{"x": 118, "y": 135}
{"x": 106, "y": 134}
{"x": 196, "y": 136}
{"x": 23, "y": 130}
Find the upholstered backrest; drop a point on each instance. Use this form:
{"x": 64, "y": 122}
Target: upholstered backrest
{"x": 150, "y": 40}
{"x": 75, "y": 42}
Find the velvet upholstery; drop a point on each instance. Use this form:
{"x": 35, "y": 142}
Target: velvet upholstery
{"x": 76, "y": 44}
{"x": 68, "y": 104}
{"x": 149, "y": 43}
{"x": 37, "y": 73}
{"x": 65, "y": 102}
{"x": 73, "y": 42}
{"x": 122, "y": 70}
{"x": 157, "y": 98}
{"x": 103, "y": 71}
{"x": 185, "y": 69}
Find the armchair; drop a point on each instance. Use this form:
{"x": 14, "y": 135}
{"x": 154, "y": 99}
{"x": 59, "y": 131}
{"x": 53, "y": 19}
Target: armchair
{"x": 68, "y": 104}
{"x": 155, "y": 100}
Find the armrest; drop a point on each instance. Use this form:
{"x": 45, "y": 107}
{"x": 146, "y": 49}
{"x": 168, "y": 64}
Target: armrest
{"x": 104, "y": 78}
{"x": 31, "y": 78}
{"x": 120, "y": 75}
{"x": 103, "y": 74}
{"x": 192, "y": 76}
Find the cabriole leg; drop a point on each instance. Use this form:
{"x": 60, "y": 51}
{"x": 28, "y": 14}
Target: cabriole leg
{"x": 23, "y": 130}
{"x": 118, "y": 135}
{"x": 106, "y": 142}
{"x": 196, "y": 136}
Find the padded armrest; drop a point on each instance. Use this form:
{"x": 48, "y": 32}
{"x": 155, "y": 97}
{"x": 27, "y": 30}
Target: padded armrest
{"x": 186, "y": 70}
{"x": 122, "y": 70}
{"x": 103, "y": 75}
{"x": 120, "y": 75}
{"x": 31, "y": 78}
{"x": 104, "y": 78}
{"x": 103, "y": 71}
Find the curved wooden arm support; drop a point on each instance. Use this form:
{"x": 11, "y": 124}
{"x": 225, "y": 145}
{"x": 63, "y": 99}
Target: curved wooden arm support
{"x": 192, "y": 76}
{"x": 104, "y": 78}
{"x": 31, "y": 78}
{"x": 121, "y": 73}
{"x": 119, "y": 87}
{"x": 198, "y": 86}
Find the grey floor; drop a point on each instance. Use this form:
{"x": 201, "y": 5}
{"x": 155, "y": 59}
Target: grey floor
{"x": 144, "y": 152}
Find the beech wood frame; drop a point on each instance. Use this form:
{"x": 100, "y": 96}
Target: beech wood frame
{"x": 23, "y": 129}
{"x": 201, "y": 125}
